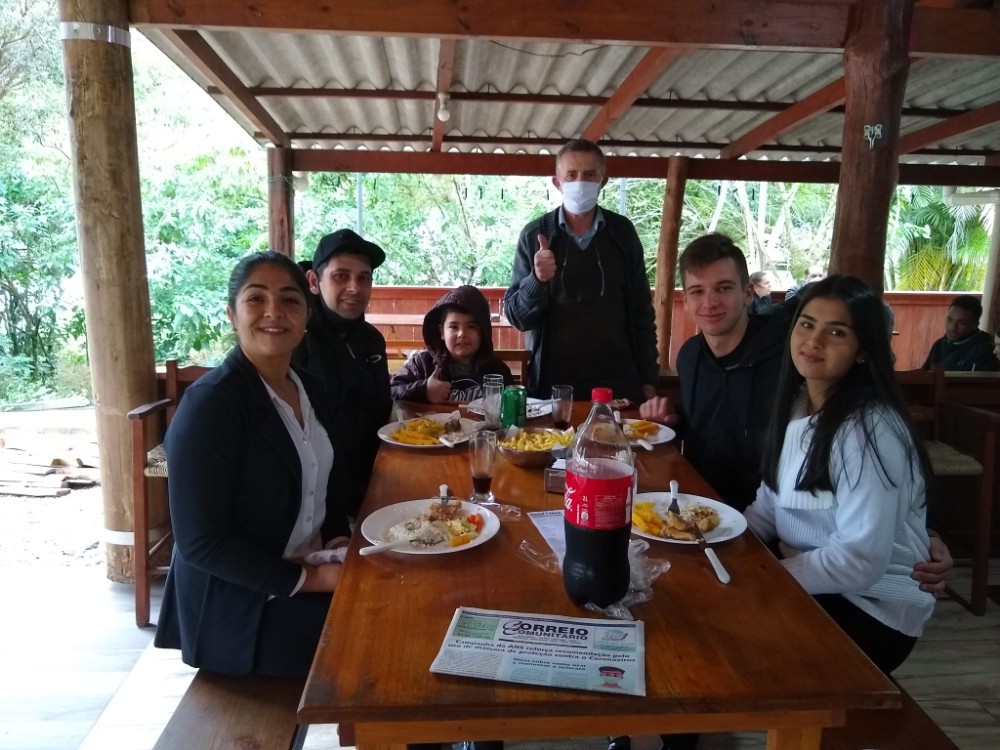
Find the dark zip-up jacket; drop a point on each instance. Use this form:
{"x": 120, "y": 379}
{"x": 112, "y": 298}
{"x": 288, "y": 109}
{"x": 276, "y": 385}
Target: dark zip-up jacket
{"x": 725, "y": 412}
{"x": 349, "y": 358}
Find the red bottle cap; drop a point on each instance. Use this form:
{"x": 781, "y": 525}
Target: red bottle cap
{"x": 601, "y": 395}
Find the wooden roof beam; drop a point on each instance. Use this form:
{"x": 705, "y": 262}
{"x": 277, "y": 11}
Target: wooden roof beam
{"x": 738, "y": 24}
{"x": 425, "y": 162}
{"x": 446, "y": 64}
{"x": 197, "y": 49}
{"x": 645, "y": 74}
{"x": 942, "y": 131}
{"x": 830, "y": 96}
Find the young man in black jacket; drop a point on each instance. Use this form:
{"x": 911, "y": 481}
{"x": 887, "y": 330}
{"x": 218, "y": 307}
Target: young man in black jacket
{"x": 346, "y": 352}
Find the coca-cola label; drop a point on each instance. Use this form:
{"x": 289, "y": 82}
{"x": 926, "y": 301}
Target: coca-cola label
{"x": 598, "y": 504}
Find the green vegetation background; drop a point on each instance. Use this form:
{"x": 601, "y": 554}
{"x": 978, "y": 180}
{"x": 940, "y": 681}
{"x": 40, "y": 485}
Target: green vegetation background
{"x": 204, "y": 199}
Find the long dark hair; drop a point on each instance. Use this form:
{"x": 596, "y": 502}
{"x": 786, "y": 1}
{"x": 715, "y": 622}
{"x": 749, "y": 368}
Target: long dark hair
{"x": 869, "y": 384}
{"x": 248, "y": 264}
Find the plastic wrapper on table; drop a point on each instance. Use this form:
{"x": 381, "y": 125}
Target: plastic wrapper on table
{"x": 643, "y": 571}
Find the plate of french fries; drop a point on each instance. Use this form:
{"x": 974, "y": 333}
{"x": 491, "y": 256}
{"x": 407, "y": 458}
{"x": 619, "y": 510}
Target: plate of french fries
{"x": 531, "y": 447}
{"x": 642, "y": 429}
{"x": 652, "y": 519}
{"x": 427, "y": 431}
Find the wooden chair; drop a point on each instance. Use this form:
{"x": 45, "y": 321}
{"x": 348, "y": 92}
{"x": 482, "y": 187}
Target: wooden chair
{"x": 519, "y": 361}
{"x": 149, "y": 423}
{"x": 966, "y": 446}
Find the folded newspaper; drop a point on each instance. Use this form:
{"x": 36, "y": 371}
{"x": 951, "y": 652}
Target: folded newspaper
{"x": 570, "y": 652}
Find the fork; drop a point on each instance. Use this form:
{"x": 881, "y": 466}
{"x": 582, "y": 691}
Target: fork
{"x": 720, "y": 571}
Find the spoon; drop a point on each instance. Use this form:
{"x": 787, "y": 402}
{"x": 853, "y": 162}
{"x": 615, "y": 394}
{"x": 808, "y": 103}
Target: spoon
{"x": 377, "y": 549}
{"x": 645, "y": 444}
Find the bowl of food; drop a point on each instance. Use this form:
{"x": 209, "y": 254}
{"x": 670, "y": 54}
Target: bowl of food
{"x": 531, "y": 447}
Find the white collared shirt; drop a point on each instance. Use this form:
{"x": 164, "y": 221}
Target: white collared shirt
{"x": 316, "y": 457}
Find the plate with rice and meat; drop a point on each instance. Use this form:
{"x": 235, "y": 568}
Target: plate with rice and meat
{"x": 435, "y": 526}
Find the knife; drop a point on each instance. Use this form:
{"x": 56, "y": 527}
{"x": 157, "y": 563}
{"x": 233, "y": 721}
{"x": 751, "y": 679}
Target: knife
{"x": 720, "y": 570}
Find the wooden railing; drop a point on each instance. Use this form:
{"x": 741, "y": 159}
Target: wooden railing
{"x": 398, "y": 312}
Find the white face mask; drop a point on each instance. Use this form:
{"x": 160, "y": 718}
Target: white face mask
{"x": 580, "y": 197}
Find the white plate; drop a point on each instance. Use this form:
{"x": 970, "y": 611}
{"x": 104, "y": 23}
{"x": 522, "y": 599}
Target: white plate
{"x": 377, "y": 525}
{"x": 537, "y": 407}
{"x": 468, "y": 427}
{"x": 732, "y": 523}
{"x": 663, "y": 435}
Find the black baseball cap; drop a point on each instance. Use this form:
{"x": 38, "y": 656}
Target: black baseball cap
{"x": 347, "y": 241}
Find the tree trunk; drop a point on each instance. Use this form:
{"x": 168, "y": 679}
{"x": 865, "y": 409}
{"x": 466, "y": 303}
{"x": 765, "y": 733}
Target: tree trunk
{"x": 112, "y": 255}
{"x": 875, "y": 67}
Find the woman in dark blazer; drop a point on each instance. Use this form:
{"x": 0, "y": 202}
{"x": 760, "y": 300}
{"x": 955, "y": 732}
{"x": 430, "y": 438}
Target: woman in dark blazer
{"x": 255, "y": 492}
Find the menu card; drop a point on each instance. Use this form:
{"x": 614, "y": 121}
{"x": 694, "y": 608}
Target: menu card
{"x": 608, "y": 656}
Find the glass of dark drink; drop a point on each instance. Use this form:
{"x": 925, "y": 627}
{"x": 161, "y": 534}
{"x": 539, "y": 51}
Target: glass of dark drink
{"x": 482, "y": 456}
{"x": 562, "y": 406}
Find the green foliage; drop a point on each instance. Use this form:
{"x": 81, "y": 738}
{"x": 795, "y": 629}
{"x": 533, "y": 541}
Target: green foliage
{"x": 37, "y": 255}
{"x": 199, "y": 221}
{"x": 936, "y": 247}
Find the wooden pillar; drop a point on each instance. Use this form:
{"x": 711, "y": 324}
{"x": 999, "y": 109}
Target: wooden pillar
{"x": 666, "y": 255}
{"x": 98, "y": 66}
{"x": 875, "y": 68}
{"x": 280, "y": 201}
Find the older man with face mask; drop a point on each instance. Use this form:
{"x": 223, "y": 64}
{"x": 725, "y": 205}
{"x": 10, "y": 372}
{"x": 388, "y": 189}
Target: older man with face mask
{"x": 346, "y": 352}
{"x": 579, "y": 290}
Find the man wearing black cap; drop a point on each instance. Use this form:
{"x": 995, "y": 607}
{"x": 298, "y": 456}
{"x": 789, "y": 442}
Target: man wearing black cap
{"x": 345, "y": 352}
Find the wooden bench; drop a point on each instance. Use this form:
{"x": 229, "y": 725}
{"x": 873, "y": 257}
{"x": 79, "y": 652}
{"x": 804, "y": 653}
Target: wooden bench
{"x": 905, "y": 728}
{"x": 219, "y": 712}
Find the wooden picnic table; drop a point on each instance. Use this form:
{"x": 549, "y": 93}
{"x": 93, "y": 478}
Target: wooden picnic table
{"x": 755, "y": 655}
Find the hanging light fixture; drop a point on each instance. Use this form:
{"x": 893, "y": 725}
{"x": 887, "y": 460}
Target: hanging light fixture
{"x": 443, "y": 114}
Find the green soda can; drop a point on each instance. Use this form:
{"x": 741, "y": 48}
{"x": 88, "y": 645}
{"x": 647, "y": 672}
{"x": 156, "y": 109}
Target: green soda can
{"x": 513, "y": 406}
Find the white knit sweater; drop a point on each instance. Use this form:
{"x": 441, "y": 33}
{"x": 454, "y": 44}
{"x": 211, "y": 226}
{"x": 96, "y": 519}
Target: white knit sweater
{"x": 861, "y": 540}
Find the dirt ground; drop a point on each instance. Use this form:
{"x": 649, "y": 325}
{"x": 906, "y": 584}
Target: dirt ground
{"x": 50, "y": 531}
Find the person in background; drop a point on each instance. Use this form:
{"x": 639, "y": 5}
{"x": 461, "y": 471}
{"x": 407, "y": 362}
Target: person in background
{"x": 761, "y": 301}
{"x": 257, "y": 497}
{"x": 813, "y": 273}
{"x": 579, "y": 290}
{"x": 459, "y": 338}
{"x": 996, "y": 344}
{"x": 843, "y": 490}
{"x": 346, "y": 352}
{"x": 964, "y": 347}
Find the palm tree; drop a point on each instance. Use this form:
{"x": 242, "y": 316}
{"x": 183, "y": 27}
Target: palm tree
{"x": 936, "y": 247}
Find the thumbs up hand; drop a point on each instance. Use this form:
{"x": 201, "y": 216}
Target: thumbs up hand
{"x": 545, "y": 260}
{"x": 438, "y": 390}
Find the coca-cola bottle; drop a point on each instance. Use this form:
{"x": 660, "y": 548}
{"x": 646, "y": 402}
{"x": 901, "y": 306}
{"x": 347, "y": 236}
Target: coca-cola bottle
{"x": 600, "y": 478}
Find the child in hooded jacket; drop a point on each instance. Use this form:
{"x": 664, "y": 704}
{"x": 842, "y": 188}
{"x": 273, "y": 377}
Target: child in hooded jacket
{"x": 459, "y": 339}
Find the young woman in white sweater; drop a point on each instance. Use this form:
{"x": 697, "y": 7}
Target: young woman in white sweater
{"x": 843, "y": 490}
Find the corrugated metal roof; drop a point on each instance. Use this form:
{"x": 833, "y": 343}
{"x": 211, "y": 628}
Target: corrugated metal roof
{"x": 761, "y": 81}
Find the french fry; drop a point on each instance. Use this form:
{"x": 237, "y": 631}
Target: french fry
{"x": 537, "y": 441}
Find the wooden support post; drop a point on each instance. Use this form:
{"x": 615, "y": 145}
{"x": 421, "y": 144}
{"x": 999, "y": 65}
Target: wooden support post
{"x": 666, "y": 255}
{"x": 280, "y": 201}
{"x": 98, "y": 67}
{"x": 876, "y": 65}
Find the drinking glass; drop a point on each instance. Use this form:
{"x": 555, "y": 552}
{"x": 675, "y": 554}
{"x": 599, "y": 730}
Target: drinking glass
{"x": 491, "y": 402}
{"x": 562, "y": 406}
{"x": 482, "y": 456}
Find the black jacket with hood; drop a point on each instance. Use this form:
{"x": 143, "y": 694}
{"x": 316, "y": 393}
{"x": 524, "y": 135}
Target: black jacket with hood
{"x": 410, "y": 383}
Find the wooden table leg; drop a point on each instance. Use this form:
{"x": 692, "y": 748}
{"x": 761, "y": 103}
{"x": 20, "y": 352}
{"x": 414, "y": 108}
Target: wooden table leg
{"x": 794, "y": 738}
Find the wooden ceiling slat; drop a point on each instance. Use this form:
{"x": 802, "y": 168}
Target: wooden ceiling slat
{"x": 942, "y": 131}
{"x": 197, "y": 49}
{"x": 645, "y": 74}
{"x": 446, "y": 63}
{"x": 542, "y": 165}
{"x": 764, "y": 24}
